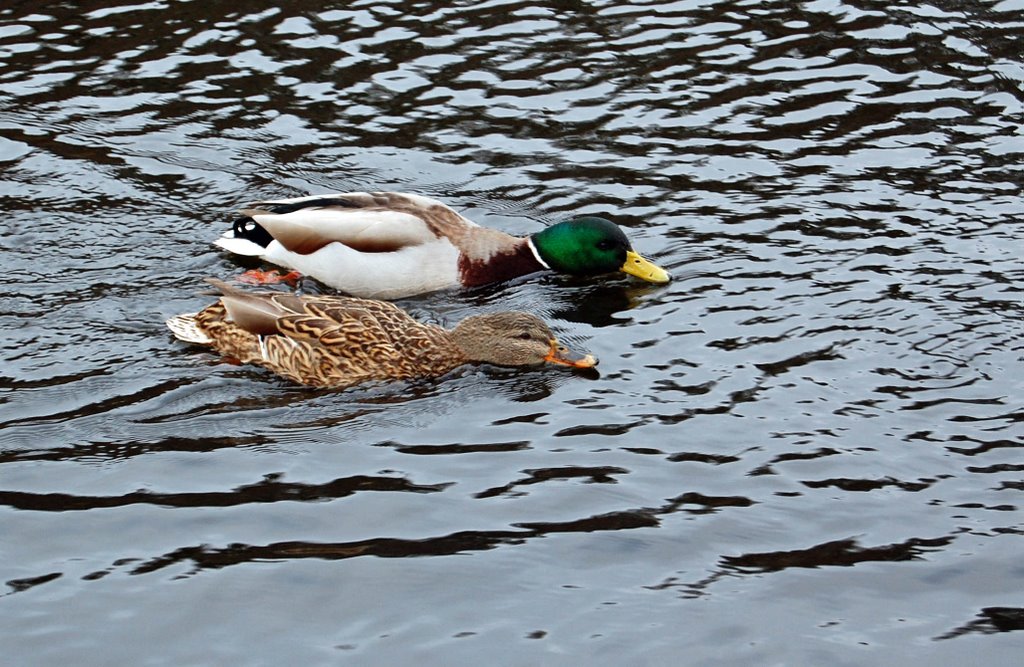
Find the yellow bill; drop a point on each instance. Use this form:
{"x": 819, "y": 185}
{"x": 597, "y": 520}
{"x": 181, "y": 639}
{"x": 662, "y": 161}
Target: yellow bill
{"x": 643, "y": 269}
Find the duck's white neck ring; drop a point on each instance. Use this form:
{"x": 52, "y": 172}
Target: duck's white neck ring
{"x": 536, "y": 255}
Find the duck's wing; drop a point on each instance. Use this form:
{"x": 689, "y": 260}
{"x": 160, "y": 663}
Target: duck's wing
{"x": 255, "y": 312}
{"x": 364, "y": 221}
{"x": 236, "y": 323}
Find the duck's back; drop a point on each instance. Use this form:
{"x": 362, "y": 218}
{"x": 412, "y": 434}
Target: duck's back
{"x": 354, "y": 340}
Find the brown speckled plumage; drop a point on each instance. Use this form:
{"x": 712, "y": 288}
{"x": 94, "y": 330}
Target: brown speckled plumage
{"x": 331, "y": 341}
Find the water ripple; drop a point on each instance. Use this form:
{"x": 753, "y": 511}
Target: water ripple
{"x": 824, "y": 399}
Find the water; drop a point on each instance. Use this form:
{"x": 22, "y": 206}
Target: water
{"x": 805, "y": 450}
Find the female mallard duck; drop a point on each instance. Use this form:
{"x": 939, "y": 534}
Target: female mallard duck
{"x": 336, "y": 342}
{"x": 388, "y": 245}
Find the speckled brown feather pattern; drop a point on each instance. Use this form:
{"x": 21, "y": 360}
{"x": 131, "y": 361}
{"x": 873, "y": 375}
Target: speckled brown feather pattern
{"x": 334, "y": 341}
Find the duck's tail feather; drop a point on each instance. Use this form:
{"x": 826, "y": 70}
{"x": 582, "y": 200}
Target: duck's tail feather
{"x": 185, "y": 328}
{"x": 246, "y": 237}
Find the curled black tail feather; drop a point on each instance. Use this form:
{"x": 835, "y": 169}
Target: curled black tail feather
{"x": 250, "y": 230}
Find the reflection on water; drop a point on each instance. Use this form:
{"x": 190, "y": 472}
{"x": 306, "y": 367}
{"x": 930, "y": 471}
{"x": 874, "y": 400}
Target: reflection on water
{"x": 813, "y": 431}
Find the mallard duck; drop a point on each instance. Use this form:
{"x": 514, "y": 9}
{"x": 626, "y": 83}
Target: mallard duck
{"x": 336, "y": 342}
{"x": 389, "y": 245}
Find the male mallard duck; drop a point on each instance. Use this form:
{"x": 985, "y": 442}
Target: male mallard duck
{"x": 388, "y": 245}
{"x": 333, "y": 341}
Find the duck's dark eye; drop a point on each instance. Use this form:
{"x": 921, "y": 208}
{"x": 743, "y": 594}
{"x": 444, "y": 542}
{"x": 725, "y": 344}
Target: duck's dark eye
{"x": 524, "y": 336}
{"x": 605, "y": 245}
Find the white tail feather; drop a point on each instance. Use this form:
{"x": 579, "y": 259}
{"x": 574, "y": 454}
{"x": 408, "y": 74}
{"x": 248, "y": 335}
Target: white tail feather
{"x": 240, "y": 246}
{"x": 184, "y": 328}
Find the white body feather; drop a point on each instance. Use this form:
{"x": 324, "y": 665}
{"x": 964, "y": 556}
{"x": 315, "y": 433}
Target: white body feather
{"x": 376, "y": 275}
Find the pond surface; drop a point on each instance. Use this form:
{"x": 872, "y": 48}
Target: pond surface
{"x": 807, "y": 449}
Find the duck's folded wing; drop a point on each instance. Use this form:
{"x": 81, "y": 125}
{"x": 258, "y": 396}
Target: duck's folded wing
{"x": 366, "y": 230}
{"x": 256, "y": 312}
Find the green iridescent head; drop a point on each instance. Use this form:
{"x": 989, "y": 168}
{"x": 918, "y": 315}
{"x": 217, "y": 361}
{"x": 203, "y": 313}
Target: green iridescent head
{"x": 590, "y": 246}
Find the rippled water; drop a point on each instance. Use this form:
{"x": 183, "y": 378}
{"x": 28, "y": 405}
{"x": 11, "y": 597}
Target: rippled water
{"x": 805, "y": 450}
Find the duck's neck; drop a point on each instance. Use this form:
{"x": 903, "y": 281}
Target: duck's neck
{"x": 518, "y": 259}
{"x": 469, "y": 346}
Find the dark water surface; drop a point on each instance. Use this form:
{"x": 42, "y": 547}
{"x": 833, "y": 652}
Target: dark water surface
{"x": 805, "y": 450}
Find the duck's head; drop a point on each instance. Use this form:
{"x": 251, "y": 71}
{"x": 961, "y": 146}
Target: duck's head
{"x": 514, "y": 339}
{"x": 589, "y": 246}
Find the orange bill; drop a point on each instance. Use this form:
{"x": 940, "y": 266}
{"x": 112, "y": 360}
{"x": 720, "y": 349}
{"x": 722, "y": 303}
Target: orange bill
{"x": 560, "y": 354}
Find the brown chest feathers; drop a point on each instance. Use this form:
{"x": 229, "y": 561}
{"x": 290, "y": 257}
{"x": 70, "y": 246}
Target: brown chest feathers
{"x": 511, "y": 261}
